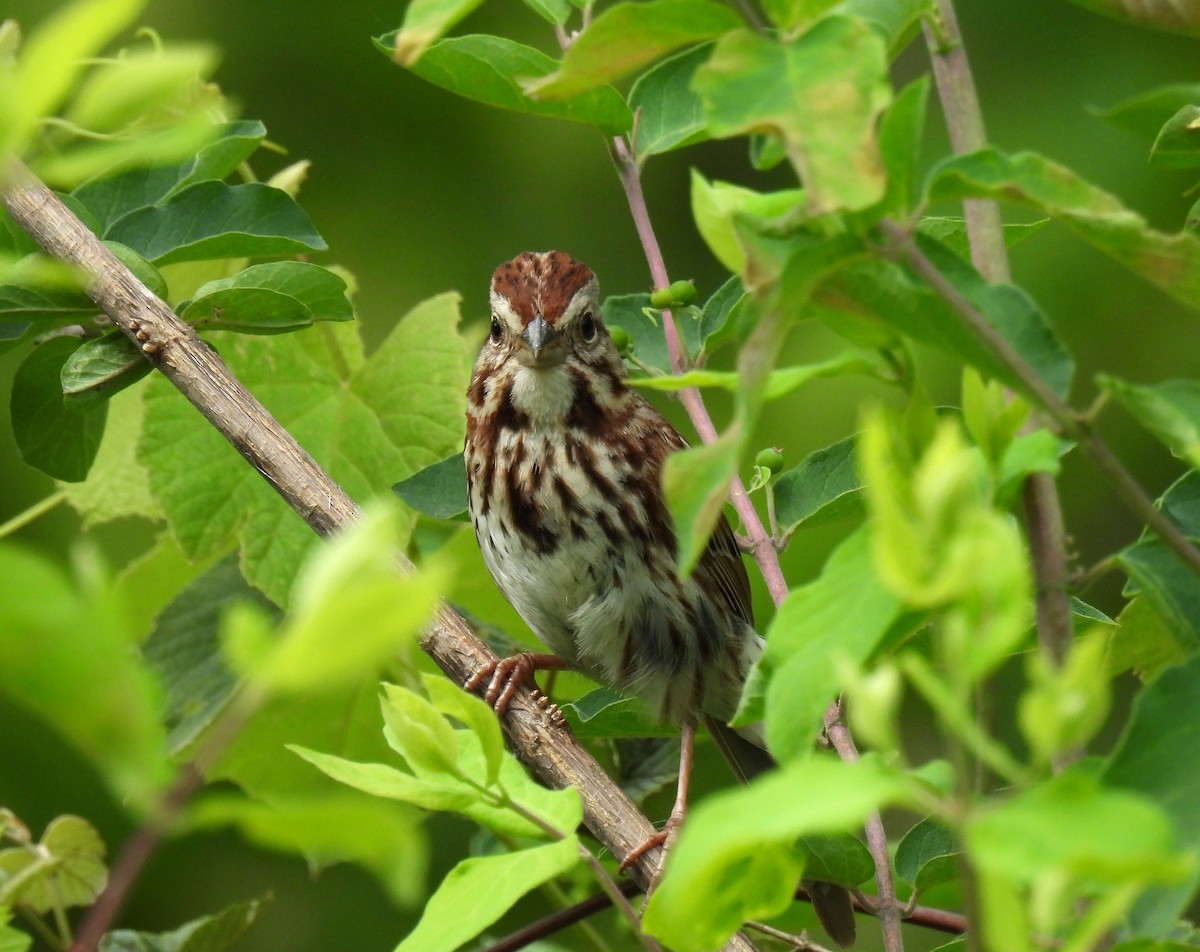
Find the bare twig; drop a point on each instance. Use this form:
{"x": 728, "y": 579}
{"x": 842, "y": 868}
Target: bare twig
{"x": 550, "y": 751}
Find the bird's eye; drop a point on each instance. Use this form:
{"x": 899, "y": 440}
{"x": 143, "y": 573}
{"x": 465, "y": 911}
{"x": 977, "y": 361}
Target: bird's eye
{"x": 497, "y": 330}
{"x": 587, "y": 327}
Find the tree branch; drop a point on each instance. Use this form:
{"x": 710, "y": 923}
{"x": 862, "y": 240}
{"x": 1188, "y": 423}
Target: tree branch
{"x": 173, "y": 347}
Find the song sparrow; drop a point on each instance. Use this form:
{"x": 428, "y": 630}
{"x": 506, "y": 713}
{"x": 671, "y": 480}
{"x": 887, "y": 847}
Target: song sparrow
{"x": 564, "y": 462}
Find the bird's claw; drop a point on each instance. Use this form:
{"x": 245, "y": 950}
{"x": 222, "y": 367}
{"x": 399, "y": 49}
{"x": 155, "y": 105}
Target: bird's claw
{"x": 505, "y": 676}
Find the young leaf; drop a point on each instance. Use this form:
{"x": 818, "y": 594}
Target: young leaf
{"x": 1072, "y": 826}
{"x": 65, "y": 869}
{"x": 779, "y": 383}
{"x": 439, "y": 490}
{"x": 1170, "y": 410}
{"x": 825, "y": 485}
{"x": 424, "y": 22}
{"x": 736, "y": 848}
{"x": 215, "y": 220}
{"x": 60, "y": 442}
{"x": 473, "y": 714}
{"x": 488, "y": 69}
{"x": 1146, "y": 113}
{"x": 1172, "y": 262}
{"x": 213, "y": 933}
{"x": 753, "y": 84}
{"x": 385, "y": 837}
{"x": 669, "y": 113}
{"x": 479, "y": 890}
{"x": 12, "y": 940}
{"x": 1178, "y": 144}
{"x": 419, "y": 733}
{"x": 431, "y": 792}
{"x": 629, "y": 35}
{"x": 100, "y": 368}
{"x": 842, "y": 614}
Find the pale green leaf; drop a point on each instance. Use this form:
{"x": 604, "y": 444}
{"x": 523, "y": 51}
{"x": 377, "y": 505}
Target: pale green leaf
{"x": 474, "y": 714}
{"x": 65, "y": 869}
{"x": 419, "y": 733}
{"x": 478, "y": 891}
{"x": 1170, "y": 410}
{"x": 424, "y": 22}
{"x": 779, "y": 383}
{"x": 630, "y": 35}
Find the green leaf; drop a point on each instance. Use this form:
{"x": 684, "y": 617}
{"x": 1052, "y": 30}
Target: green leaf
{"x": 12, "y": 940}
{"x": 696, "y": 482}
{"x": 607, "y": 713}
{"x": 439, "y": 490}
{"x": 1168, "y": 585}
{"x": 669, "y": 112}
{"x": 1146, "y": 113}
{"x": 1170, "y": 261}
{"x": 431, "y": 792}
{"x": 479, "y": 890}
{"x": 267, "y": 298}
{"x": 952, "y": 232}
{"x": 898, "y": 21}
{"x": 753, "y": 84}
{"x": 900, "y": 134}
{"x": 717, "y": 206}
{"x": 844, "y": 613}
{"x": 736, "y": 848}
{"x": 215, "y": 220}
{"x": 213, "y": 933}
{"x": 386, "y": 838}
{"x": 1181, "y": 503}
{"x": 926, "y": 855}
{"x": 552, "y": 11}
{"x": 488, "y": 69}
{"x": 837, "y": 858}
{"x": 472, "y": 713}
{"x": 1065, "y": 705}
{"x": 630, "y": 35}
{"x": 419, "y": 733}
{"x": 1178, "y": 144}
{"x": 183, "y": 649}
{"x": 424, "y": 22}
{"x": 60, "y": 442}
{"x": 117, "y": 485}
{"x": 371, "y": 422}
{"x": 1170, "y": 410}
{"x": 66, "y": 869}
{"x": 111, "y": 197}
{"x": 139, "y": 86}
{"x": 1155, "y": 14}
{"x": 351, "y": 584}
{"x": 52, "y": 57}
{"x": 779, "y": 383}
{"x": 100, "y": 368}
{"x": 1072, "y": 826}
{"x": 61, "y": 305}
{"x": 1165, "y": 721}
{"x": 825, "y": 485}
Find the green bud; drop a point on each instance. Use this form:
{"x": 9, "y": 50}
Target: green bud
{"x": 679, "y": 294}
{"x": 770, "y": 459}
{"x": 622, "y": 340}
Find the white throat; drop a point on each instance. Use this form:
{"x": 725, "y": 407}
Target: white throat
{"x": 544, "y": 395}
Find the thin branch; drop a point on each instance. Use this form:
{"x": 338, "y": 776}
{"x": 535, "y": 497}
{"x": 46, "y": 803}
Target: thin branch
{"x": 36, "y": 511}
{"x": 1070, "y": 424}
{"x": 173, "y": 347}
{"x": 561, "y": 919}
{"x": 888, "y": 908}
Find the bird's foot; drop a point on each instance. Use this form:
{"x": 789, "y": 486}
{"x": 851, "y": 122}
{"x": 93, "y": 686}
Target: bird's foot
{"x": 505, "y": 675}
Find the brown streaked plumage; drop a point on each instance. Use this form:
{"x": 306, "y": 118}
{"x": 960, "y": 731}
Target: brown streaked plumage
{"x": 564, "y": 469}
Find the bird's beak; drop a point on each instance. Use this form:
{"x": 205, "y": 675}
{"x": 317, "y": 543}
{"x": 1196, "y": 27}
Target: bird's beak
{"x": 539, "y": 336}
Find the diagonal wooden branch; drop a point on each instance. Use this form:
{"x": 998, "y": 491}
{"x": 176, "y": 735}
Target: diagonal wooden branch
{"x": 174, "y": 348}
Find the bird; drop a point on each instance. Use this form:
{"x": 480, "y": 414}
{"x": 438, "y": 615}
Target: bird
{"x": 564, "y": 464}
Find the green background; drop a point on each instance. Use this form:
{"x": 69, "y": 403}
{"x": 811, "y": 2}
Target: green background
{"x": 418, "y": 192}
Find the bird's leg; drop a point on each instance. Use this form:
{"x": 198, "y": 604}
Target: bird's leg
{"x": 504, "y": 675}
{"x": 666, "y": 836}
